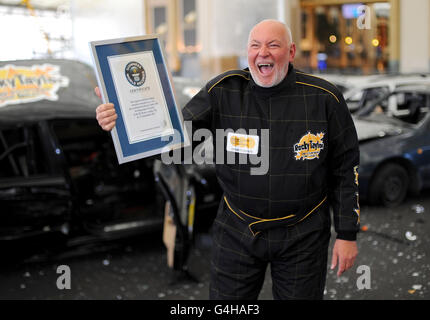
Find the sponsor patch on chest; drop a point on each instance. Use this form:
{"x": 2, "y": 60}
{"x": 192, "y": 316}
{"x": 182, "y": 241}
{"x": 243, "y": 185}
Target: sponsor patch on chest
{"x": 242, "y": 143}
{"x": 309, "y": 146}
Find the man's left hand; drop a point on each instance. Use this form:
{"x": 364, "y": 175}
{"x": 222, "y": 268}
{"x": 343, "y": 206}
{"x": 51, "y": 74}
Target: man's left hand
{"x": 345, "y": 252}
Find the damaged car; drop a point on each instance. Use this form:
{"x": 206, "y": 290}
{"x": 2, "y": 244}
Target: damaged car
{"x": 394, "y": 145}
{"x": 368, "y": 89}
{"x": 59, "y": 172}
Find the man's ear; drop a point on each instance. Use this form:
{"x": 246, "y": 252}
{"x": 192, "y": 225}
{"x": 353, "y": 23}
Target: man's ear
{"x": 292, "y": 51}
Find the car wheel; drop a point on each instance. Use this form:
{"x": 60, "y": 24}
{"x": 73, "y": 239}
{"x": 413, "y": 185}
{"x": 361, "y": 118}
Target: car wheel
{"x": 389, "y": 186}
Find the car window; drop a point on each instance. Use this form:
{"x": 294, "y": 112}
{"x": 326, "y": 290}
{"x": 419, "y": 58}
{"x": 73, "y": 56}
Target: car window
{"x": 373, "y": 94}
{"x": 354, "y": 101}
{"x": 366, "y": 97}
{"x": 99, "y": 182}
{"x": 408, "y": 106}
{"x": 86, "y": 150}
{"x": 84, "y": 146}
{"x": 21, "y": 152}
{"x": 411, "y": 107}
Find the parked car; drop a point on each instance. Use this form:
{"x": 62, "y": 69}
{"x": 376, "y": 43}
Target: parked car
{"x": 59, "y": 171}
{"x": 346, "y": 83}
{"x": 394, "y": 145}
{"x": 363, "y": 94}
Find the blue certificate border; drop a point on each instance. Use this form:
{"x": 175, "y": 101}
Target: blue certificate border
{"x": 103, "y": 51}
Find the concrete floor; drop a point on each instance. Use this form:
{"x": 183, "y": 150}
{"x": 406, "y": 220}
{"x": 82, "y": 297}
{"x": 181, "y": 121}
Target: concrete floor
{"x": 396, "y": 248}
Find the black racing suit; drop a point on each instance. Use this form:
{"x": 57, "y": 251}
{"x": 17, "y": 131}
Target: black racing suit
{"x": 312, "y": 156}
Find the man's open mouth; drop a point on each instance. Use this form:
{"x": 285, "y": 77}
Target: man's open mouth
{"x": 265, "y": 68}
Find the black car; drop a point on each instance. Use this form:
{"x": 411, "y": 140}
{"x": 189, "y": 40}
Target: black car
{"x": 394, "y": 146}
{"x": 59, "y": 171}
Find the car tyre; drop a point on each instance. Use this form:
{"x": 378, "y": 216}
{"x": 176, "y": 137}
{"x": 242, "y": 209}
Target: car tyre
{"x": 389, "y": 186}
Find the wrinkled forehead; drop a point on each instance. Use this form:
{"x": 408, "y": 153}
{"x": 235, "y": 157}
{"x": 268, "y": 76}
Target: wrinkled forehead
{"x": 268, "y": 32}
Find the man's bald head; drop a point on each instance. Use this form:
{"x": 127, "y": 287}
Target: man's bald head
{"x": 272, "y": 23}
{"x": 270, "y": 50}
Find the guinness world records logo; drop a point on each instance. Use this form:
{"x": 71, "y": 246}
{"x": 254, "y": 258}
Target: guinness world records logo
{"x": 135, "y": 73}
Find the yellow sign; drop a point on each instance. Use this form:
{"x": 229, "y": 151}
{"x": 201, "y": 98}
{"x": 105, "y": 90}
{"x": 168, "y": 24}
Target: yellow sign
{"x": 30, "y": 84}
{"x": 242, "y": 142}
{"x": 309, "y": 146}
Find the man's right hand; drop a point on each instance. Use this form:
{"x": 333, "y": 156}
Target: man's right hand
{"x": 105, "y": 114}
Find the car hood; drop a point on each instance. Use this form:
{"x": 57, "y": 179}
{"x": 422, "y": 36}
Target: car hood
{"x": 378, "y": 127}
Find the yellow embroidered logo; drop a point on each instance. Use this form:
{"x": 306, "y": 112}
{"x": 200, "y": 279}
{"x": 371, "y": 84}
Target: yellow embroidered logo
{"x": 309, "y": 146}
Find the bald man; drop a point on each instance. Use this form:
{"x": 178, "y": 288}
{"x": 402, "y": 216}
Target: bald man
{"x": 282, "y": 217}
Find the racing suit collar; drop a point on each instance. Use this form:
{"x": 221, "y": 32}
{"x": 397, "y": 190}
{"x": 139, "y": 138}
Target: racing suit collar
{"x": 288, "y": 81}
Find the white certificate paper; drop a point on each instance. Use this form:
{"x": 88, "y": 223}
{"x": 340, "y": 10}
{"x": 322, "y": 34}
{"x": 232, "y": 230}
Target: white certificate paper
{"x": 141, "y": 99}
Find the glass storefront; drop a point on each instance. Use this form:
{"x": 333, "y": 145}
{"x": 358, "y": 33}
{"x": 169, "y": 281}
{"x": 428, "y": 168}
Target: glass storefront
{"x": 346, "y": 37}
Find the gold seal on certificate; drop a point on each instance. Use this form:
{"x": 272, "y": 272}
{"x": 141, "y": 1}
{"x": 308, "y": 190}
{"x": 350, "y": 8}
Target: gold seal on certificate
{"x": 140, "y": 96}
{"x": 132, "y": 74}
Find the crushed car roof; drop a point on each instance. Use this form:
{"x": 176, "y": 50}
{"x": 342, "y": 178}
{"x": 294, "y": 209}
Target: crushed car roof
{"x": 32, "y": 90}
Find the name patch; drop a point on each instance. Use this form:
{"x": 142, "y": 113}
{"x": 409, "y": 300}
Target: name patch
{"x": 242, "y": 143}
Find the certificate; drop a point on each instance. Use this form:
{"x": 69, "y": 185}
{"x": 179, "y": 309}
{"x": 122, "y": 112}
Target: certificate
{"x": 132, "y": 74}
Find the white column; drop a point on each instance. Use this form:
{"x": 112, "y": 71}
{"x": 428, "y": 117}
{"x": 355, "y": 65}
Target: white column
{"x": 282, "y": 12}
{"x": 226, "y": 23}
{"x": 428, "y": 34}
{"x": 104, "y": 19}
{"x": 205, "y": 29}
{"x": 414, "y": 36}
